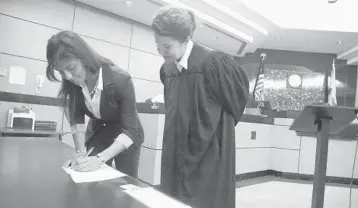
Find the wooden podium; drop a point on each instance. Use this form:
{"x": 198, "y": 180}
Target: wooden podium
{"x": 322, "y": 120}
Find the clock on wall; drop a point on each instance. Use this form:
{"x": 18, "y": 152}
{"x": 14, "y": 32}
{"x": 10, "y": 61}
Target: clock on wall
{"x": 294, "y": 81}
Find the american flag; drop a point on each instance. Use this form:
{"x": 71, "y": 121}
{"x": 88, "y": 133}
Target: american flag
{"x": 259, "y": 84}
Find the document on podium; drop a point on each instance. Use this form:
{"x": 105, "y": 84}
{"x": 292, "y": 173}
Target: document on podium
{"x": 152, "y": 198}
{"x": 102, "y": 174}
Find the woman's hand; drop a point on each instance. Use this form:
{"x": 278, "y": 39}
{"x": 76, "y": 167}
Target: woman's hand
{"x": 86, "y": 164}
{"x": 72, "y": 162}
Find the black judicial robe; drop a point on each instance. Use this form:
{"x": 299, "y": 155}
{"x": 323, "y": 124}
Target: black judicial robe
{"x": 203, "y": 105}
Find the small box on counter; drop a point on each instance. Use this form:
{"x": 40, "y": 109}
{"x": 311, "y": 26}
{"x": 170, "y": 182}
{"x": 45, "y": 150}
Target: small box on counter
{"x": 46, "y": 125}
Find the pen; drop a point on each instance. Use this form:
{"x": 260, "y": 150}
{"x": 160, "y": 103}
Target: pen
{"x": 89, "y": 151}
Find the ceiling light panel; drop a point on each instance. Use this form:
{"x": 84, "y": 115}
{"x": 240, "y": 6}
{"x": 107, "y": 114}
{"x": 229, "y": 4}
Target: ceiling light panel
{"x": 213, "y": 21}
{"x": 226, "y": 10}
{"x": 218, "y": 40}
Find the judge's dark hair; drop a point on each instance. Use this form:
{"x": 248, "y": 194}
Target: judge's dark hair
{"x": 174, "y": 22}
{"x": 64, "y": 45}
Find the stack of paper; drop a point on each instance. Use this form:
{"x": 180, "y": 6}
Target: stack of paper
{"x": 152, "y": 198}
{"x": 102, "y": 174}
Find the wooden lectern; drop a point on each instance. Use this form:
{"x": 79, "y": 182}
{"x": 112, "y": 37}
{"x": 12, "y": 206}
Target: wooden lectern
{"x": 322, "y": 120}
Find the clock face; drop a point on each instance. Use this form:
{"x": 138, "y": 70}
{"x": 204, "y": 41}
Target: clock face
{"x": 294, "y": 80}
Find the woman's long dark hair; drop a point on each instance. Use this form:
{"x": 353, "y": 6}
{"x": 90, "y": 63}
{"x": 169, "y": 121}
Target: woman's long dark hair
{"x": 67, "y": 44}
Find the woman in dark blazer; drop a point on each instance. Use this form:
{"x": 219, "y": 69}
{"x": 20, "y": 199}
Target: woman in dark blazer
{"x": 93, "y": 86}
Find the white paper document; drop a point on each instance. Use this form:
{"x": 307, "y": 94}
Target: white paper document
{"x": 102, "y": 174}
{"x": 153, "y": 198}
{"x": 130, "y": 187}
{"x": 17, "y": 75}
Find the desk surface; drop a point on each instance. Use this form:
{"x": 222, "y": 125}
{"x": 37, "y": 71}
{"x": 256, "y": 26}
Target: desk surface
{"x": 31, "y": 177}
{"x": 28, "y": 131}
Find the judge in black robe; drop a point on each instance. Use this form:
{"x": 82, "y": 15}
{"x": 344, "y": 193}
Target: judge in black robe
{"x": 205, "y": 94}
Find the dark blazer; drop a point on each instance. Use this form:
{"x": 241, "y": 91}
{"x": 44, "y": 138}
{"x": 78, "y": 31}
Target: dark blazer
{"x": 117, "y": 108}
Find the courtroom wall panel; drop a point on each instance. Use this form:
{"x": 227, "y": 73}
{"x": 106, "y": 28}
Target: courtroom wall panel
{"x": 340, "y": 157}
{"x": 283, "y": 138}
{"x": 149, "y": 165}
{"x": 145, "y": 89}
{"x": 145, "y": 65}
{"x": 252, "y": 160}
{"x": 119, "y": 55}
{"x": 153, "y": 126}
{"x": 102, "y": 25}
{"x": 53, "y": 13}
{"x": 22, "y": 38}
{"x": 284, "y": 160}
{"x": 143, "y": 39}
{"x": 244, "y": 131}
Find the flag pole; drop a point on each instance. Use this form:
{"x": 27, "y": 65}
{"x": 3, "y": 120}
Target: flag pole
{"x": 263, "y": 57}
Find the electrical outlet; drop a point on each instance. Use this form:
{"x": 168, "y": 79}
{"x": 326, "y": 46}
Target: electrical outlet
{"x": 253, "y": 135}
{"x": 2, "y": 72}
